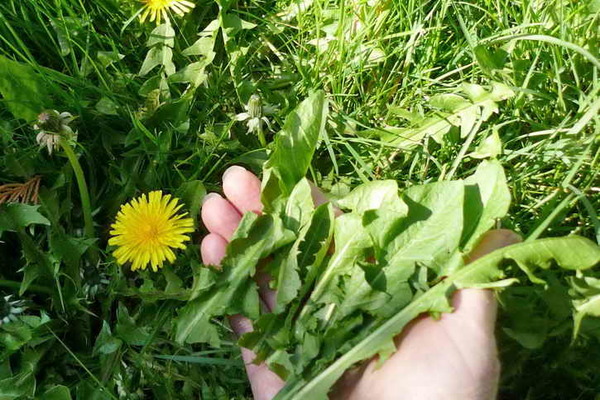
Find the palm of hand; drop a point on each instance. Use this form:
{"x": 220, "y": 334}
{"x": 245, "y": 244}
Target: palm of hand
{"x": 453, "y": 358}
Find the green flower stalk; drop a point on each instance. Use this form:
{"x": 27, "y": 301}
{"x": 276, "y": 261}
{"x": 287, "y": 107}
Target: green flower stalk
{"x": 54, "y": 132}
{"x": 83, "y": 189}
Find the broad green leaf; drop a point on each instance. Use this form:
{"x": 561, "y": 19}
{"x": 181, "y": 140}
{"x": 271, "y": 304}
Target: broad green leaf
{"x": 161, "y": 44}
{"x": 163, "y": 34}
{"x": 489, "y": 59}
{"x": 58, "y": 392}
{"x": 372, "y": 196}
{"x": 294, "y": 147}
{"x": 22, "y": 384}
{"x": 589, "y": 305}
{"x": 22, "y": 89}
{"x": 205, "y": 44}
{"x": 61, "y": 29}
{"x": 487, "y": 199}
{"x": 192, "y": 193}
{"x": 431, "y": 231}
{"x": 69, "y": 249}
{"x": 17, "y": 334}
{"x": 107, "y": 107}
{"x": 487, "y": 100}
{"x": 405, "y": 138}
{"x": 129, "y": 330}
{"x": 296, "y": 214}
{"x": 232, "y": 24}
{"x": 403, "y": 240}
{"x": 17, "y": 216}
{"x": 107, "y": 58}
{"x": 449, "y": 102}
{"x": 202, "y": 47}
{"x": 537, "y": 254}
{"x": 310, "y": 263}
{"x": 106, "y": 343}
{"x": 192, "y": 73}
{"x": 299, "y": 206}
{"x": 490, "y": 147}
{"x": 160, "y": 55}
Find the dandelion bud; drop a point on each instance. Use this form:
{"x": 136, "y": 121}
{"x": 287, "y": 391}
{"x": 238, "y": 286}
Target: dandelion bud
{"x": 51, "y": 126}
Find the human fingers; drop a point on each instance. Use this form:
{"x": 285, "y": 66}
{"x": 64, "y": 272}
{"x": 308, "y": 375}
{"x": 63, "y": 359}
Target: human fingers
{"x": 212, "y": 249}
{"x": 242, "y": 189}
{"x": 265, "y": 383}
{"x": 219, "y": 215}
{"x": 479, "y": 305}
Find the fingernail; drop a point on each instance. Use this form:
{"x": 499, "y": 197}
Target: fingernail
{"x": 210, "y": 196}
{"x": 493, "y": 240}
{"x": 231, "y": 169}
{"x": 240, "y": 324}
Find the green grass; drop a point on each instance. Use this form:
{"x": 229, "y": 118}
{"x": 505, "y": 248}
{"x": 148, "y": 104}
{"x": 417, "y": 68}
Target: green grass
{"x": 382, "y": 64}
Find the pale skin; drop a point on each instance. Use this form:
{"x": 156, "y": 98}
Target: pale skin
{"x": 453, "y": 358}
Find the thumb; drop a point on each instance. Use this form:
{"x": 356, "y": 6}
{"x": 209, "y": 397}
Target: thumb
{"x": 264, "y": 382}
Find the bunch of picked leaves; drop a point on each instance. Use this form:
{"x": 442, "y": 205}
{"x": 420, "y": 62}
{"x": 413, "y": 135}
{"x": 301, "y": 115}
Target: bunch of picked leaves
{"x": 347, "y": 285}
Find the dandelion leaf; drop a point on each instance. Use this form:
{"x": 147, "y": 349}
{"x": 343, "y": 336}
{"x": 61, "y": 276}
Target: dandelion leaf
{"x": 22, "y": 89}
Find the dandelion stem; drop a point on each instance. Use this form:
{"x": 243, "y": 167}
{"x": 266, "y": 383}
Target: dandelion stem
{"x": 261, "y": 135}
{"x": 83, "y": 189}
{"x": 17, "y": 285}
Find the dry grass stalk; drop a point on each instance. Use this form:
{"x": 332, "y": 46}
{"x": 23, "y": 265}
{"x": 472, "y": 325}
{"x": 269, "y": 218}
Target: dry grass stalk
{"x": 26, "y": 193}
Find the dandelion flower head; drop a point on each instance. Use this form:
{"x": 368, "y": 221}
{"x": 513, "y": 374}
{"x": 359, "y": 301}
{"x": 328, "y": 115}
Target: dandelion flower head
{"x": 51, "y": 127}
{"x": 147, "y": 230}
{"x": 157, "y": 9}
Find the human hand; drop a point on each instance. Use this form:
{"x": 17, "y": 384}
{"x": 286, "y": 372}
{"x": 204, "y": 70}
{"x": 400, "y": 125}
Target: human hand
{"x": 451, "y": 358}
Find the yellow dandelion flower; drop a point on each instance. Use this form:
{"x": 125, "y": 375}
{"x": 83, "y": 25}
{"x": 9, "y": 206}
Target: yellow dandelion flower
{"x": 157, "y": 9}
{"x": 148, "y": 229}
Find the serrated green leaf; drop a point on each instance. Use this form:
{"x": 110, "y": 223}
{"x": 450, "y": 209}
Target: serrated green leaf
{"x": 351, "y": 240}
{"x": 107, "y": 58}
{"x": 58, "y": 392}
{"x": 232, "y": 24}
{"x": 305, "y": 257}
{"x": 129, "y": 330}
{"x": 69, "y": 249}
{"x": 205, "y": 44}
{"x": 23, "y": 383}
{"x": 537, "y": 254}
{"x": 256, "y": 237}
{"x": 17, "y": 216}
